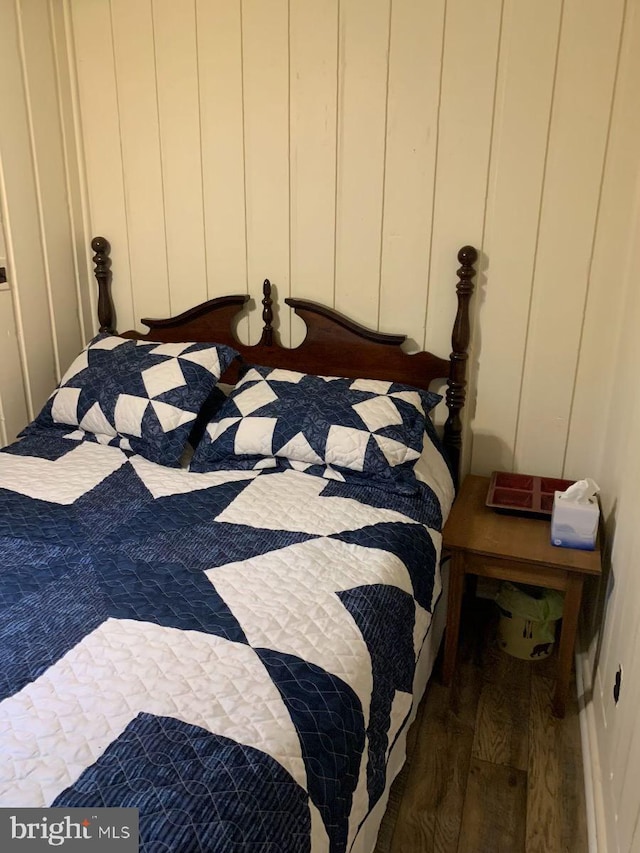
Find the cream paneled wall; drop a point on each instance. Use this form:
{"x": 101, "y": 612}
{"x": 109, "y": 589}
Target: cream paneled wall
{"x": 346, "y": 149}
{"x": 40, "y": 329}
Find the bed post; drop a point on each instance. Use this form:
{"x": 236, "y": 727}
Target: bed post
{"x": 457, "y": 383}
{"x": 102, "y": 272}
{"x": 267, "y": 314}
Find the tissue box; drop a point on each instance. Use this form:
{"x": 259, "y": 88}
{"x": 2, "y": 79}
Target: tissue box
{"x": 574, "y": 524}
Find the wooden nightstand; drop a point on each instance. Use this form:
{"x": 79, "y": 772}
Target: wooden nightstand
{"x": 512, "y": 548}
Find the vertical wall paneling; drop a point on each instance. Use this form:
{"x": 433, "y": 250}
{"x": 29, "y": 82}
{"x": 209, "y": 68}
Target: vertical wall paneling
{"x": 579, "y": 125}
{"x": 134, "y": 51}
{"x": 362, "y": 116}
{"x": 313, "y": 87}
{"x": 59, "y": 15}
{"x": 179, "y": 111}
{"x": 528, "y": 49}
{"x": 390, "y": 105}
{"x": 466, "y": 109}
{"x": 415, "y": 57}
{"x": 265, "y": 29}
{"x": 219, "y": 30}
{"x": 13, "y": 411}
{"x": 14, "y": 379}
{"x": 52, "y": 200}
{"x": 22, "y": 222}
{"x": 13, "y": 406}
{"x": 612, "y": 263}
{"x": 467, "y": 93}
{"x": 3, "y": 430}
{"x": 35, "y": 69}
{"x": 100, "y": 123}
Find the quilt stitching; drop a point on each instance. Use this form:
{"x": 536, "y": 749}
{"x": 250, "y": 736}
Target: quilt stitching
{"x": 136, "y": 395}
{"x": 352, "y": 428}
{"x": 171, "y": 635}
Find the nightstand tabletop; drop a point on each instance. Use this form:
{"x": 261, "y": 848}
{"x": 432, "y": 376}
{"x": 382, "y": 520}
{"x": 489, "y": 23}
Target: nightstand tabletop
{"x": 475, "y": 528}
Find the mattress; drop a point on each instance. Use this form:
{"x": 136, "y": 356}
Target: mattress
{"x": 236, "y": 654}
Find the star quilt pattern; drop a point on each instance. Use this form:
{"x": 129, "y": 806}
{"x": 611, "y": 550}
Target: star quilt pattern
{"x": 232, "y": 652}
{"x": 136, "y": 395}
{"x": 364, "y": 430}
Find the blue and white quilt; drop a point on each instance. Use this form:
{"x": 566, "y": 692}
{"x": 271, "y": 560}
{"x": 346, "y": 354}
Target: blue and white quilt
{"x": 232, "y": 653}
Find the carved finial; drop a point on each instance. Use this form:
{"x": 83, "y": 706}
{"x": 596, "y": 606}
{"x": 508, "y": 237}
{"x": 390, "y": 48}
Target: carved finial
{"x": 102, "y": 272}
{"x": 101, "y": 246}
{"x": 267, "y": 313}
{"x": 467, "y": 256}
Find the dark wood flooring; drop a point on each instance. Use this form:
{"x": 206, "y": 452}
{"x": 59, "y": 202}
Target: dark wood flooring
{"x": 489, "y": 769}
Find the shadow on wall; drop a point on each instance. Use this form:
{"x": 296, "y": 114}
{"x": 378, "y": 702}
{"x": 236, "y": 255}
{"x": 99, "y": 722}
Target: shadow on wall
{"x": 497, "y": 453}
{"x": 597, "y": 593}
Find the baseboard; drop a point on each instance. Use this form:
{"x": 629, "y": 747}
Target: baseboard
{"x": 594, "y": 794}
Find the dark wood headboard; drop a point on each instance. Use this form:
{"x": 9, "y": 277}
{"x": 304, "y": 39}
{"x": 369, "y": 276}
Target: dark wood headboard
{"x": 333, "y": 346}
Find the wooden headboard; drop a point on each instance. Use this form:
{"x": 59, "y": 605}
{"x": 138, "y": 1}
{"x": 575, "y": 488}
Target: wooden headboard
{"x": 333, "y": 346}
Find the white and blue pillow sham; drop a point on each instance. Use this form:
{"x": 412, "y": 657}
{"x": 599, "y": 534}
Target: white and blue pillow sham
{"x": 139, "y": 395}
{"x": 348, "y": 429}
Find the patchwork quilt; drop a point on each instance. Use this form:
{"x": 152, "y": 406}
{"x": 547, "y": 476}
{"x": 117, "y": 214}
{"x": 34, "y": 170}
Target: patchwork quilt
{"x": 232, "y": 653}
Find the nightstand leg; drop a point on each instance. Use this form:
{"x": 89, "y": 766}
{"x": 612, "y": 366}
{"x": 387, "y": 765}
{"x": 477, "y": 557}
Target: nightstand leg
{"x": 572, "y": 599}
{"x": 456, "y": 587}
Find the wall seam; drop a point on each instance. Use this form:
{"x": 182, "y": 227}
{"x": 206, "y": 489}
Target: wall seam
{"x": 594, "y": 232}
{"x": 38, "y": 188}
{"x": 337, "y": 152}
{"x": 67, "y": 178}
{"x": 160, "y": 151}
{"x": 134, "y": 312}
{"x": 470, "y": 403}
{"x": 384, "y": 164}
{"x": 202, "y": 198}
{"x": 289, "y": 155}
{"x": 537, "y": 239}
{"x": 435, "y": 179}
{"x": 244, "y": 164}
{"x": 85, "y": 211}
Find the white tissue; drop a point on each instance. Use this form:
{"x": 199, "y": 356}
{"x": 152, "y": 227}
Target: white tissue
{"x": 574, "y": 519}
{"x": 581, "y": 492}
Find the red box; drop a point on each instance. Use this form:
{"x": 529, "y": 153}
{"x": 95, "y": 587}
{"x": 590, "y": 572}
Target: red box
{"x": 524, "y": 494}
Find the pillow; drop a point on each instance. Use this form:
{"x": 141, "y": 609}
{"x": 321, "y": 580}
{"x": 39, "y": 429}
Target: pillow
{"x": 139, "y": 395}
{"x": 363, "y": 429}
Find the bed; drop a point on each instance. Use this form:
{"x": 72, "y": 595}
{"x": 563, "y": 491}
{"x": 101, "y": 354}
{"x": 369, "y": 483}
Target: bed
{"x": 233, "y": 642}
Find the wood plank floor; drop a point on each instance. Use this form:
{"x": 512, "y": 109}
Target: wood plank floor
{"x": 489, "y": 769}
